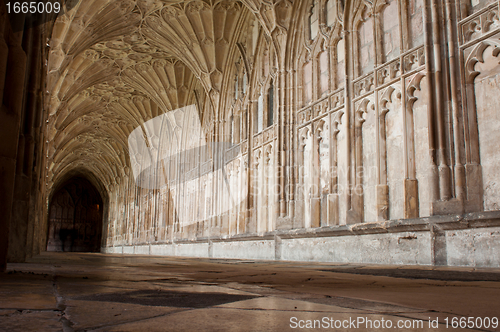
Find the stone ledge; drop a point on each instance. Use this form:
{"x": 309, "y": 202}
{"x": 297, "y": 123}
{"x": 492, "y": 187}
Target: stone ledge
{"x": 426, "y": 224}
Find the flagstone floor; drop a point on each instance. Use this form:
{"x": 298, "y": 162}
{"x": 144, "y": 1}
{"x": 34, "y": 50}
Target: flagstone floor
{"x": 98, "y": 292}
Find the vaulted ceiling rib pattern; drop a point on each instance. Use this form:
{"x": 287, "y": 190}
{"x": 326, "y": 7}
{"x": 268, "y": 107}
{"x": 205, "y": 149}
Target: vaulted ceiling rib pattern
{"x": 114, "y": 65}
{"x": 198, "y": 32}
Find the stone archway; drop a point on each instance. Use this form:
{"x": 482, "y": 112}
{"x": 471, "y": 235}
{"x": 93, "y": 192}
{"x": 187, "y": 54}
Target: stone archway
{"x": 75, "y": 217}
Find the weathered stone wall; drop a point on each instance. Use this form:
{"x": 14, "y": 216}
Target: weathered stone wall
{"x": 23, "y": 212}
{"x": 443, "y": 240}
{"x": 219, "y": 129}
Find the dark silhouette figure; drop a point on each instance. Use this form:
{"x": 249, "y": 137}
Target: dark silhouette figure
{"x": 68, "y": 235}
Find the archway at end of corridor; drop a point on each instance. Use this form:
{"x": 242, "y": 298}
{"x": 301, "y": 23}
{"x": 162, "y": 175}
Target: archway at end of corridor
{"x": 75, "y": 217}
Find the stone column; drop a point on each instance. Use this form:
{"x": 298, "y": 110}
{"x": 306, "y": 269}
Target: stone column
{"x": 411, "y": 208}
{"x": 291, "y": 140}
{"x": 21, "y": 235}
{"x": 280, "y": 151}
{"x": 301, "y": 194}
{"x": 316, "y": 171}
{"x": 251, "y": 171}
{"x": 351, "y": 66}
{"x": 433, "y": 181}
{"x": 13, "y": 67}
{"x": 459, "y": 169}
{"x": 443, "y": 168}
{"x": 382, "y": 186}
{"x": 333, "y": 196}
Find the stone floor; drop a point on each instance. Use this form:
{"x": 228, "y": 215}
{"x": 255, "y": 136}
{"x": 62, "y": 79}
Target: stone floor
{"x": 97, "y": 292}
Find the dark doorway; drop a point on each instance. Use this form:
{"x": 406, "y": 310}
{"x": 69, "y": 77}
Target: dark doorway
{"x": 75, "y": 217}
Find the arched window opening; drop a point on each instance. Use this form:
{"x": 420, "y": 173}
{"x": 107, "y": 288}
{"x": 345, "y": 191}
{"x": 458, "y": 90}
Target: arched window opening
{"x": 308, "y": 80}
{"x": 391, "y": 33}
{"x": 416, "y": 17}
{"x": 255, "y": 36}
{"x": 324, "y": 72}
{"x": 236, "y": 88}
{"x": 231, "y": 128}
{"x": 331, "y": 12}
{"x": 237, "y": 130}
{"x": 314, "y": 21}
{"x": 244, "y": 122}
{"x": 270, "y": 105}
{"x": 260, "y": 113}
{"x": 340, "y": 64}
{"x": 244, "y": 83}
{"x": 366, "y": 44}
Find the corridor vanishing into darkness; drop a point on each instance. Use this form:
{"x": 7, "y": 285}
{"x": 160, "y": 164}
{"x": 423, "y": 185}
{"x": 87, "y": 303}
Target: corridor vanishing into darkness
{"x": 75, "y": 217}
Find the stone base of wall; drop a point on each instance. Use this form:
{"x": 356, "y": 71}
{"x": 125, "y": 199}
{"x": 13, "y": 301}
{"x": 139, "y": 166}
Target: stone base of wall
{"x": 454, "y": 240}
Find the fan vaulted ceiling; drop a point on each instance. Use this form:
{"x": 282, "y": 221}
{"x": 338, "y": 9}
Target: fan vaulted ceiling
{"x": 113, "y": 65}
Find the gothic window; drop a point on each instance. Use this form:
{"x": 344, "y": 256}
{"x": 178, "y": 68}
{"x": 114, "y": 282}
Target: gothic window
{"x": 265, "y": 66}
{"x": 324, "y": 72}
{"x": 236, "y": 88}
{"x": 270, "y": 105}
{"x": 307, "y": 79}
{"x": 314, "y": 20}
{"x": 231, "y": 128}
{"x": 380, "y": 26}
{"x": 415, "y": 13}
{"x": 331, "y": 12}
{"x": 244, "y": 122}
{"x": 479, "y": 4}
{"x": 260, "y": 113}
{"x": 366, "y": 43}
{"x": 255, "y": 36}
{"x": 237, "y": 129}
{"x": 340, "y": 63}
{"x": 244, "y": 83}
{"x": 391, "y": 34}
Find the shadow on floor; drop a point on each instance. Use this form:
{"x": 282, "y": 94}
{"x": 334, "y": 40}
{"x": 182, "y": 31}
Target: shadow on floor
{"x": 162, "y": 298}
